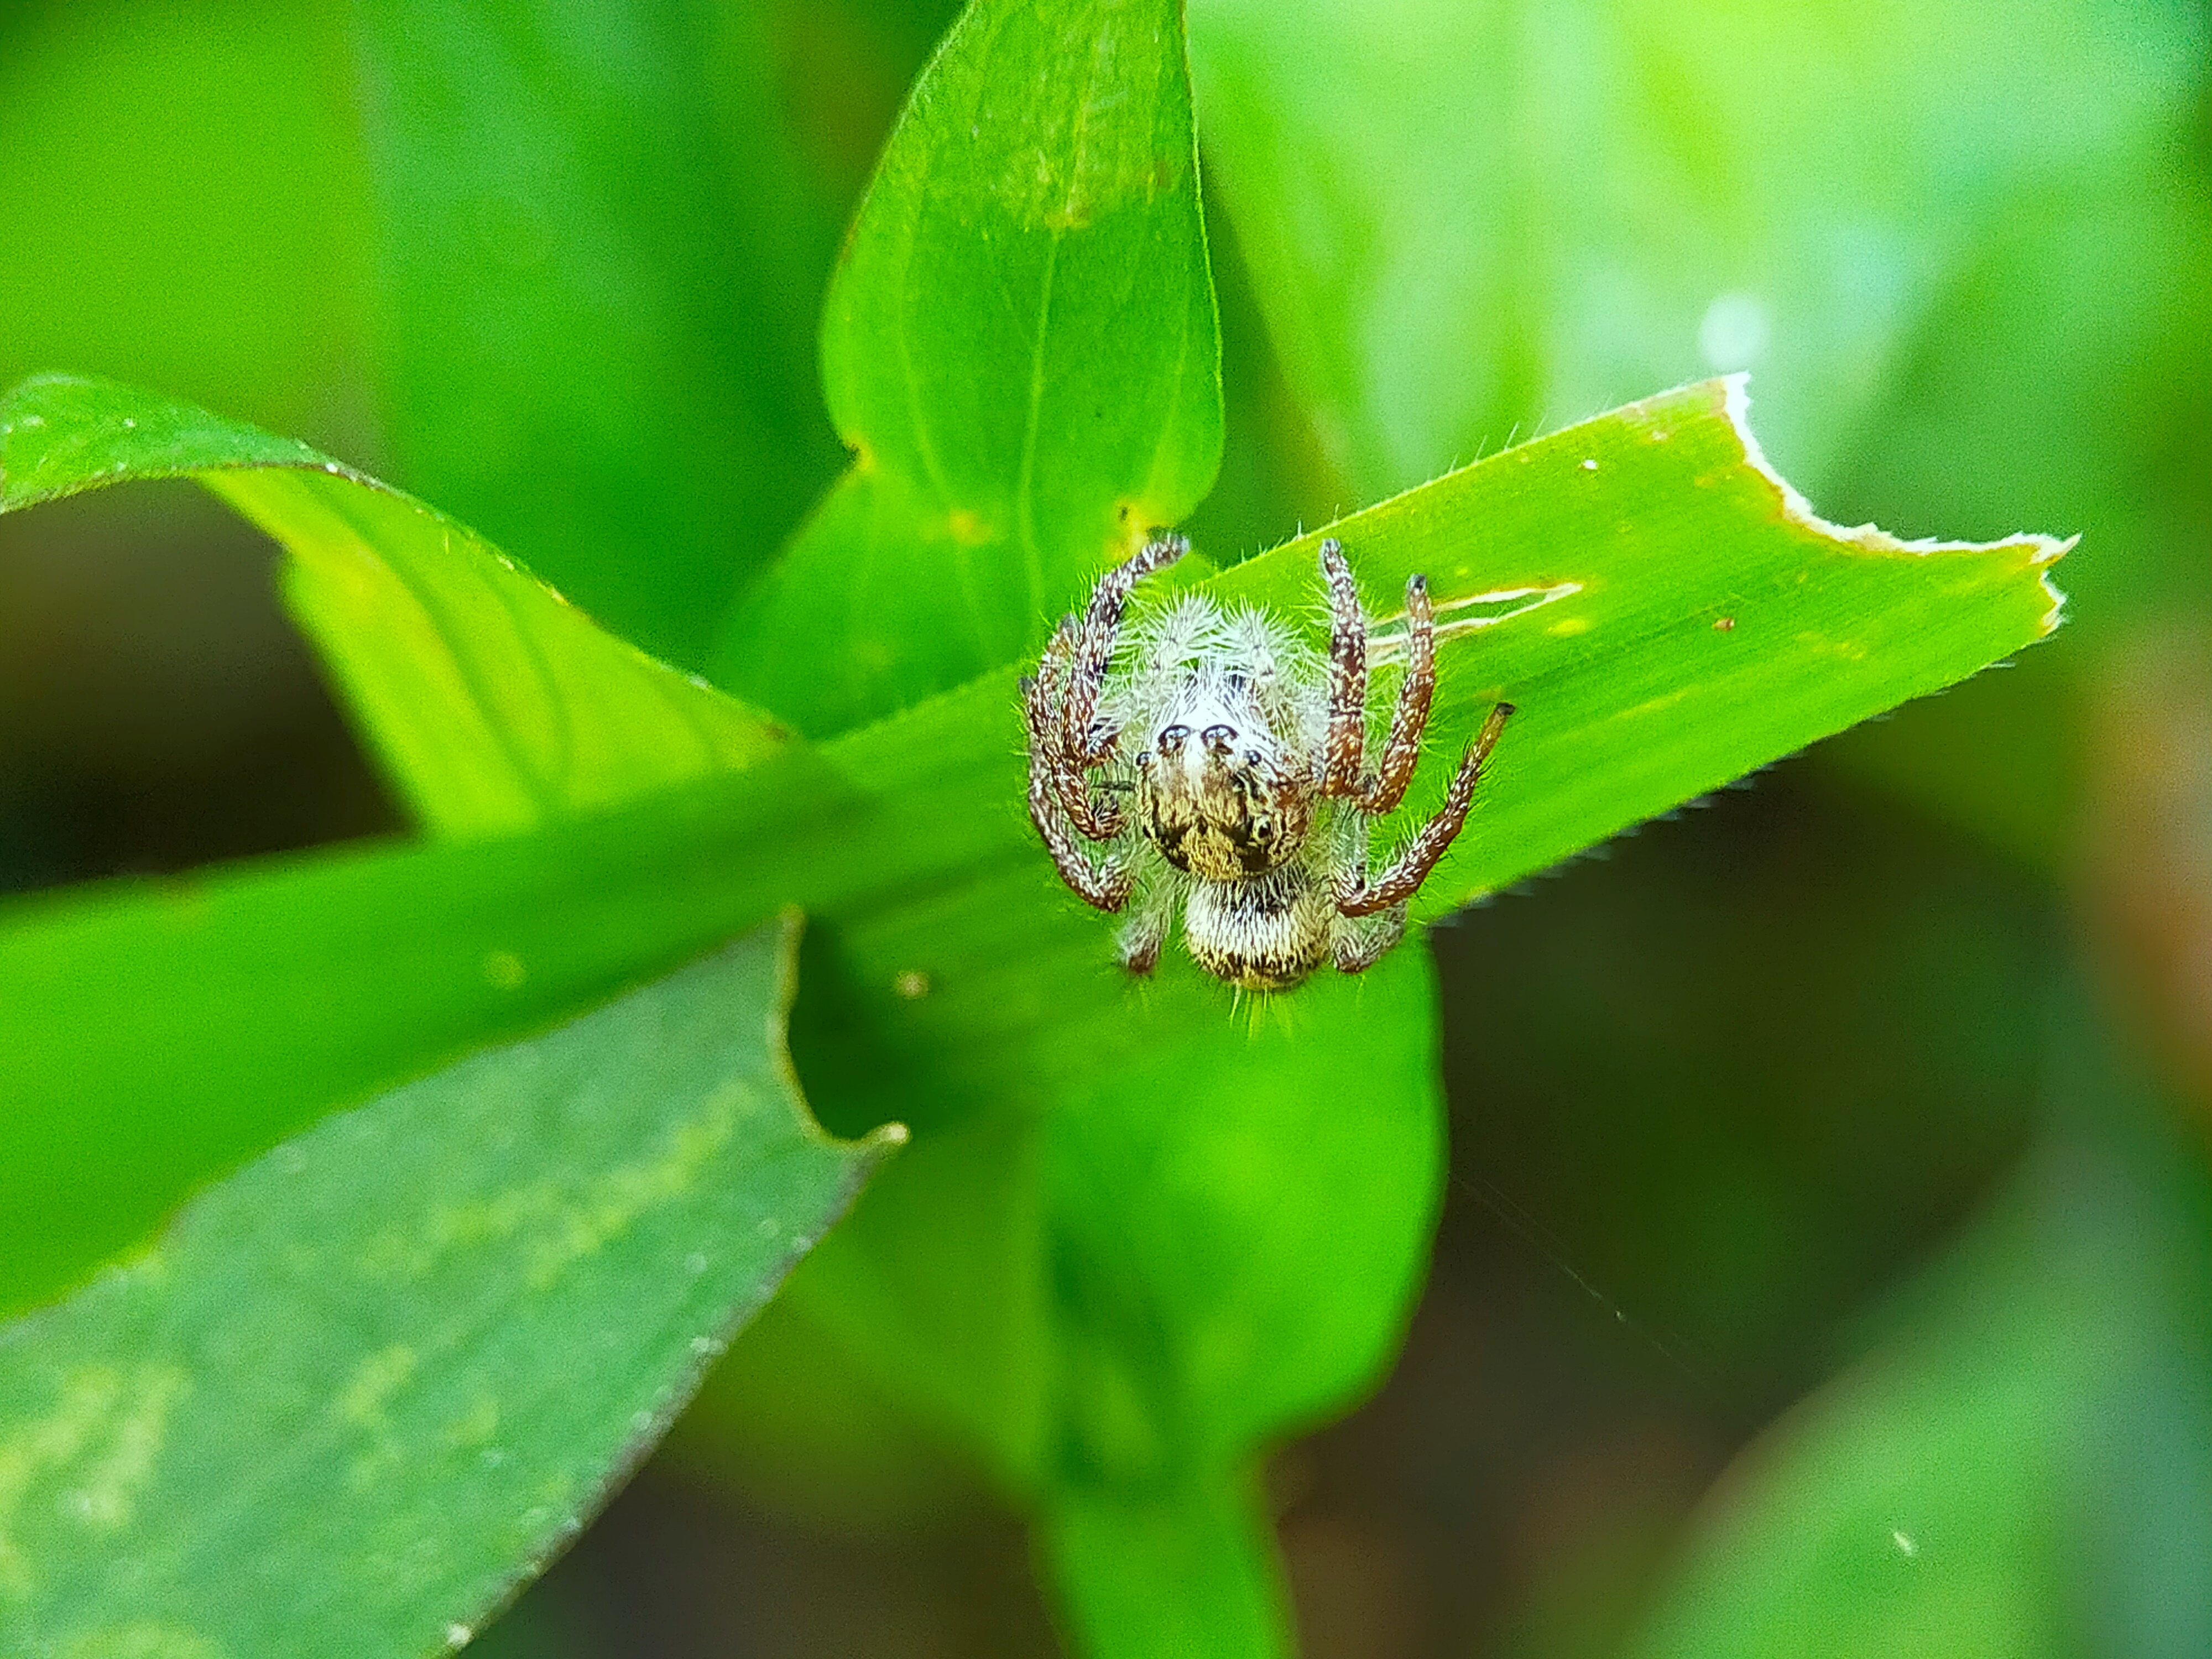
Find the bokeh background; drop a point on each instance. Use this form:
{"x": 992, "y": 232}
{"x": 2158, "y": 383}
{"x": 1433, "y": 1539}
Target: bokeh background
{"x": 1828, "y": 1265}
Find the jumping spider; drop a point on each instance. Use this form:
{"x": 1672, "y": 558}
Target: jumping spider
{"x": 1245, "y": 794}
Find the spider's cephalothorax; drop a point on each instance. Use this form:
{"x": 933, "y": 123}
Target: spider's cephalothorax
{"x": 1220, "y": 761}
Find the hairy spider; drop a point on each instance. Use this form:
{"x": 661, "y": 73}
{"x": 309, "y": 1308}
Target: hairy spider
{"x": 1242, "y": 788}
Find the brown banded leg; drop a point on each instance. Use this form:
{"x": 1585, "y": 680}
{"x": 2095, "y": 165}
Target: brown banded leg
{"x": 1086, "y": 653}
{"x": 1383, "y": 788}
{"x": 1357, "y": 896}
{"x": 1043, "y": 696}
{"x": 1092, "y": 651}
{"x": 1104, "y": 885}
{"x": 1356, "y": 947}
{"x": 1347, "y": 676}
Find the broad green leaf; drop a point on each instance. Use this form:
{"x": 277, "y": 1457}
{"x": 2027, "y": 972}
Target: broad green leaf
{"x": 1238, "y": 1220}
{"x": 493, "y": 702}
{"x": 2023, "y": 1469}
{"x": 1582, "y": 576}
{"x": 1020, "y": 348}
{"x": 907, "y": 837}
{"x": 1648, "y": 652}
{"x": 365, "y": 1386}
{"x": 601, "y": 263}
{"x": 1467, "y": 217}
{"x": 1163, "y": 1297}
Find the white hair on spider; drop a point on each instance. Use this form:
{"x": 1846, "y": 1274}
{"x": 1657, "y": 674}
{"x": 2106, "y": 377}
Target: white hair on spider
{"x": 1211, "y": 758}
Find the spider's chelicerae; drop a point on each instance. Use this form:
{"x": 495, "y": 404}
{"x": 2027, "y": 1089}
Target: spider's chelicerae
{"x": 1214, "y": 758}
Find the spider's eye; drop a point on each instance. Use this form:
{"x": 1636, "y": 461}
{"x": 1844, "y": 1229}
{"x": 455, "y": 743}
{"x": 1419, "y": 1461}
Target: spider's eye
{"x": 1218, "y": 738}
{"x": 1171, "y": 739}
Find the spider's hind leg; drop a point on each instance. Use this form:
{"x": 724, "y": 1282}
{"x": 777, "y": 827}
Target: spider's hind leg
{"x": 1347, "y": 676}
{"x": 1356, "y": 896}
{"x": 1357, "y": 944}
{"x": 1139, "y": 940}
{"x": 1383, "y": 789}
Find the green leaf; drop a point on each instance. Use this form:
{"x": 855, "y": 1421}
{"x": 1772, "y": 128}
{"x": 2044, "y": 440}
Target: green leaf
{"x": 1239, "y": 1213}
{"x": 1651, "y": 193}
{"x": 1582, "y": 576}
{"x": 1674, "y": 616}
{"x": 1020, "y": 348}
{"x": 2024, "y": 1463}
{"x": 493, "y": 702}
{"x": 423, "y": 1338}
{"x": 1175, "y": 1572}
{"x": 1845, "y": 201}
{"x": 613, "y": 379}
{"x": 1163, "y": 1298}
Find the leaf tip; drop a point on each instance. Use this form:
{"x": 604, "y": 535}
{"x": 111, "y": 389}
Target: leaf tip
{"x": 2044, "y": 552}
{"x": 2041, "y": 550}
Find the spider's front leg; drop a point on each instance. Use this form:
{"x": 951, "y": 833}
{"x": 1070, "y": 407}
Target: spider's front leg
{"x": 1091, "y": 649}
{"x": 1383, "y": 789}
{"x": 1104, "y": 883}
{"x": 1085, "y": 656}
{"x": 1067, "y": 775}
{"x": 1357, "y": 896}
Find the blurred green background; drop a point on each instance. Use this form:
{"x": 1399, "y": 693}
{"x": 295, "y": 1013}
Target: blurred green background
{"x": 1828, "y": 1266}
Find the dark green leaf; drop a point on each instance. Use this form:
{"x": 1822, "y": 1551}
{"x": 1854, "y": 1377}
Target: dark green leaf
{"x": 601, "y": 269}
{"x": 1019, "y": 346}
{"x": 1239, "y": 1213}
{"x": 367, "y": 1384}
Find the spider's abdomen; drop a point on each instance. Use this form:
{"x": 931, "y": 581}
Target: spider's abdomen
{"x": 1264, "y": 933}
